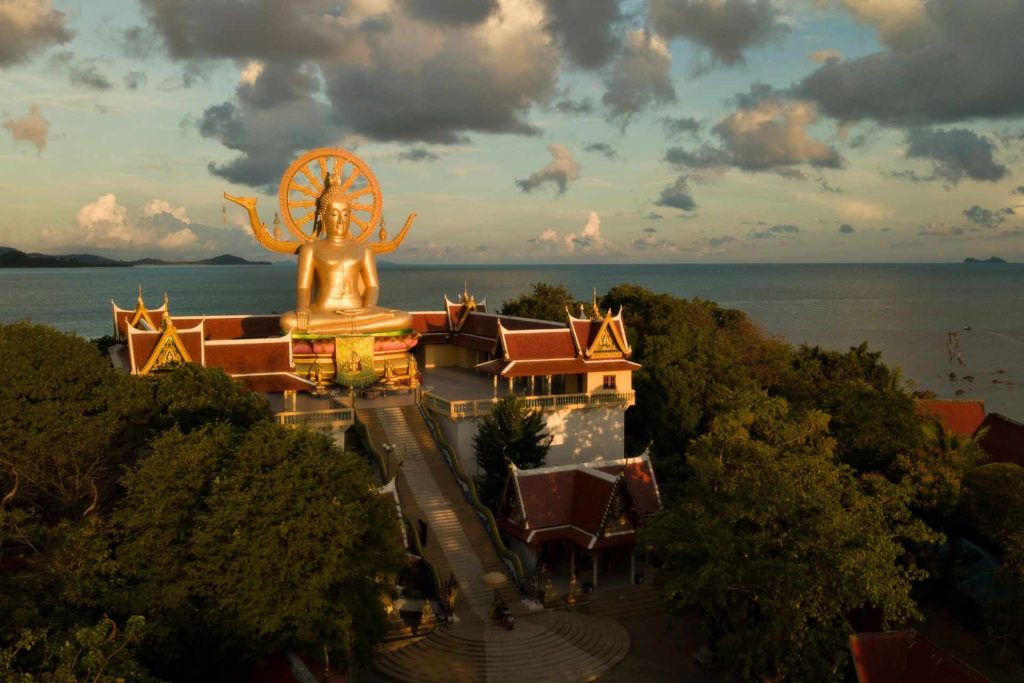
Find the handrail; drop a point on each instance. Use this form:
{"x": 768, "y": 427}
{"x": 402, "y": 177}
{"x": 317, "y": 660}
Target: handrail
{"x": 368, "y": 443}
{"x": 315, "y": 418}
{"x": 512, "y": 560}
{"x": 483, "y": 406}
{"x": 413, "y": 533}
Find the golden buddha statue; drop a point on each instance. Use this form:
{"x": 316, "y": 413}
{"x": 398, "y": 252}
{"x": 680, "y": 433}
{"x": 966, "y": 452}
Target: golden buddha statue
{"x": 338, "y": 285}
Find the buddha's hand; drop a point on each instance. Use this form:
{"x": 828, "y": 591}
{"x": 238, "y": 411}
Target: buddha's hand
{"x": 301, "y": 320}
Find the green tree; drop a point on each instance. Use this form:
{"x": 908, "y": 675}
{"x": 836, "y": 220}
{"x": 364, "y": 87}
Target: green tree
{"x": 934, "y": 473}
{"x": 241, "y": 543}
{"x": 872, "y": 417}
{"x": 776, "y": 543}
{"x": 68, "y": 423}
{"x": 512, "y": 432}
{"x": 543, "y": 302}
{"x": 693, "y": 353}
{"x": 191, "y": 396}
{"x": 103, "y": 653}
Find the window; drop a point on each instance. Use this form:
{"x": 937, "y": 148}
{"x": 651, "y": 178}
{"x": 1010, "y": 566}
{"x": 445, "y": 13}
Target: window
{"x": 609, "y": 382}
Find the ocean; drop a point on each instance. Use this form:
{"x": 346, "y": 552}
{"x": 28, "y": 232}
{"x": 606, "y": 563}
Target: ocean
{"x": 903, "y": 310}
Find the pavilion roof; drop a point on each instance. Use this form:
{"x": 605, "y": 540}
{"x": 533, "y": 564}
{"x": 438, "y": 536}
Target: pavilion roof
{"x": 576, "y": 501}
{"x": 566, "y": 366}
{"x": 959, "y": 416}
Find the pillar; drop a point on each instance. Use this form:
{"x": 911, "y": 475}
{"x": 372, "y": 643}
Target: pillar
{"x": 593, "y": 558}
{"x": 532, "y": 388}
{"x": 495, "y": 386}
{"x": 511, "y": 385}
{"x": 549, "y": 384}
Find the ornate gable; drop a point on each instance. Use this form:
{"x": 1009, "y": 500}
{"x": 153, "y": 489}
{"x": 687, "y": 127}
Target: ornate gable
{"x": 608, "y": 342}
{"x": 459, "y": 312}
{"x": 621, "y": 515}
{"x": 169, "y": 351}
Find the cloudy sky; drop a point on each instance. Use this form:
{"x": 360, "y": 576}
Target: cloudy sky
{"x": 525, "y": 131}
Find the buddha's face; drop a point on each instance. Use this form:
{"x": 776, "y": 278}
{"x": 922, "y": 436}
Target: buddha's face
{"x": 336, "y": 219}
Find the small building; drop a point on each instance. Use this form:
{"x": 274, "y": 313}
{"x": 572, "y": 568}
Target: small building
{"x": 577, "y": 372}
{"x": 961, "y": 417}
{"x": 588, "y": 513}
{"x": 1003, "y": 439}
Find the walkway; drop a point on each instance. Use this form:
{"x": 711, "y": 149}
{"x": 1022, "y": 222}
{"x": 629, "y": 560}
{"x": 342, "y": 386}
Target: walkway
{"x": 543, "y": 647}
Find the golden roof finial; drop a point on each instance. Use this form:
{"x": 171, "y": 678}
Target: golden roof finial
{"x": 465, "y": 291}
{"x": 139, "y": 301}
{"x": 593, "y": 306}
{"x": 166, "y": 302}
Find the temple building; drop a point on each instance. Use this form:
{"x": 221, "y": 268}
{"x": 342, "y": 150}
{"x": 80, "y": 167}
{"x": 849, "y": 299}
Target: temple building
{"x": 423, "y": 381}
{"x": 577, "y": 372}
{"x": 585, "y": 514}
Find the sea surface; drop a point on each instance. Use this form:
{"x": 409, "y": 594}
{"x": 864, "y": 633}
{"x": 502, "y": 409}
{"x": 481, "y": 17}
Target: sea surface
{"x": 905, "y": 311}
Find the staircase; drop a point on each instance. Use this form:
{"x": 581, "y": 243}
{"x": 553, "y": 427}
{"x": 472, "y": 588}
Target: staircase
{"x": 544, "y": 647}
{"x": 457, "y": 541}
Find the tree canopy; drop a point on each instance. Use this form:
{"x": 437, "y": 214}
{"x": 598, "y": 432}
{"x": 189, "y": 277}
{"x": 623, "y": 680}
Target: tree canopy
{"x": 268, "y": 538}
{"x": 512, "y": 432}
{"x": 175, "y": 502}
{"x": 543, "y": 302}
{"x": 776, "y": 542}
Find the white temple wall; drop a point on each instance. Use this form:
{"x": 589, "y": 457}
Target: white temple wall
{"x": 578, "y": 435}
{"x": 623, "y": 381}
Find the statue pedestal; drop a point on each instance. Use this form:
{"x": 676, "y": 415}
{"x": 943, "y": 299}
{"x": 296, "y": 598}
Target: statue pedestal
{"x": 357, "y": 361}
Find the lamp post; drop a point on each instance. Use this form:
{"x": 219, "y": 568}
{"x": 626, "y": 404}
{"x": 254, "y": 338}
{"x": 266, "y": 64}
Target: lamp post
{"x": 387, "y": 449}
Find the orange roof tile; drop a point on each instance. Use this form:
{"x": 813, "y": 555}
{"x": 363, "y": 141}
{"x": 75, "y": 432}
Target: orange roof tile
{"x": 961, "y": 417}
{"x": 906, "y": 657}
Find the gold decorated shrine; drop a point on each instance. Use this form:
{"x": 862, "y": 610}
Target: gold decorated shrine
{"x": 331, "y": 207}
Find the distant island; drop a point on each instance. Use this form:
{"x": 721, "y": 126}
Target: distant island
{"x": 990, "y": 259}
{"x": 14, "y": 258}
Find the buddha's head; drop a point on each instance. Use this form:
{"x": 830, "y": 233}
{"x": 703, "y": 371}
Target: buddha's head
{"x": 332, "y": 210}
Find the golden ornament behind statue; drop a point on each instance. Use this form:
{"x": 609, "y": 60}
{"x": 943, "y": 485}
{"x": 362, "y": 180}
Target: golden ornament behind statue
{"x": 331, "y": 204}
{"x": 303, "y": 183}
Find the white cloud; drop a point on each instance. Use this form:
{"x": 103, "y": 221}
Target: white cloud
{"x": 589, "y": 239}
{"x": 158, "y": 206}
{"x": 105, "y": 224}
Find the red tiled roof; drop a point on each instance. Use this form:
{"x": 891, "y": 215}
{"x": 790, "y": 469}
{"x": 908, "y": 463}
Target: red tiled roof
{"x": 961, "y": 417}
{"x": 426, "y": 322}
{"x": 569, "y": 366}
{"x": 640, "y": 481}
{"x": 590, "y": 500}
{"x": 539, "y": 344}
{"x": 1004, "y": 441}
{"x": 547, "y": 499}
{"x": 572, "y": 501}
{"x": 906, "y": 657}
{"x": 234, "y": 326}
{"x": 586, "y": 331}
{"x": 253, "y": 357}
{"x": 274, "y": 381}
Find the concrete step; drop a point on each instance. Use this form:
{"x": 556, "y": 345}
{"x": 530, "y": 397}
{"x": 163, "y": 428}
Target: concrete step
{"x": 556, "y": 647}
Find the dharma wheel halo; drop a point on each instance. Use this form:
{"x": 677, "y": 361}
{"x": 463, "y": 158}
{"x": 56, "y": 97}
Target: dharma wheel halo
{"x": 303, "y": 183}
{"x": 301, "y": 186}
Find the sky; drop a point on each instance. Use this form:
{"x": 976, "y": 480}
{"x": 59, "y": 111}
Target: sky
{"x": 524, "y": 131}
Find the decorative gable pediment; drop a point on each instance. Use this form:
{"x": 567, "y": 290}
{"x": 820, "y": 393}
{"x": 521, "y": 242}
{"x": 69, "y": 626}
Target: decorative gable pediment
{"x": 169, "y": 351}
{"x": 608, "y": 343}
{"x": 621, "y": 514}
